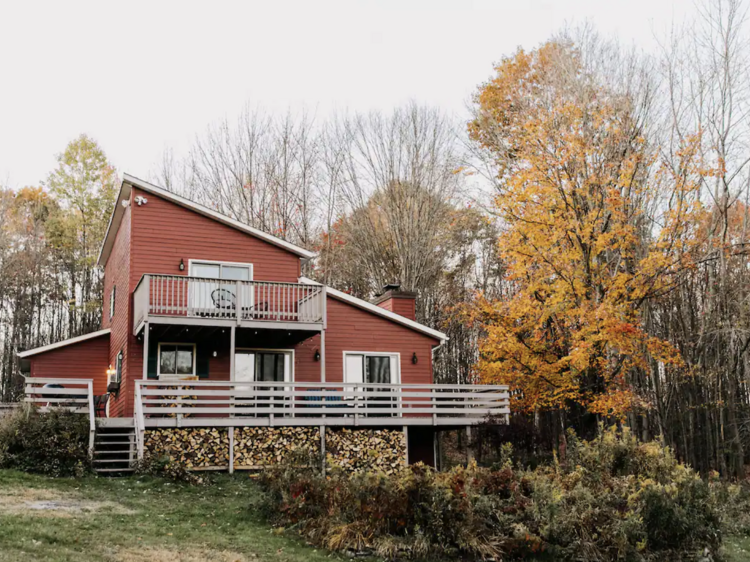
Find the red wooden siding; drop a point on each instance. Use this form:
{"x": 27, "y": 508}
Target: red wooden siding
{"x": 83, "y": 360}
{"x": 164, "y": 233}
{"x": 349, "y": 329}
{"x": 353, "y": 329}
{"x": 116, "y": 273}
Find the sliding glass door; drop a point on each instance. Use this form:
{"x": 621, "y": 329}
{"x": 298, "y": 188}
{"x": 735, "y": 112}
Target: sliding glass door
{"x": 263, "y": 366}
{"x": 375, "y": 368}
{"x": 211, "y": 297}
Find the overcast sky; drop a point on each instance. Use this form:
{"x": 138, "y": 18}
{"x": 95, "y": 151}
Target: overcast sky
{"x": 142, "y": 76}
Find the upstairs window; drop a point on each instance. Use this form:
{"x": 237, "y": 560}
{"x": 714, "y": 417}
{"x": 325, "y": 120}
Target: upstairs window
{"x": 112, "y": 301}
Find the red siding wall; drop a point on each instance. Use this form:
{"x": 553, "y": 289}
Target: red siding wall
{"x": 353, "y": 329}
{"x": 84, "y": 360}
{"x": 164, "y": 233}
{"x": 117, "y": 272}
{"x": 350, "y": 329}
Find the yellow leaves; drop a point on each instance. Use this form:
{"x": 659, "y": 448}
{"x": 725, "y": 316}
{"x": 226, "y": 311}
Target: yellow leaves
{"x": 576, "y": 178}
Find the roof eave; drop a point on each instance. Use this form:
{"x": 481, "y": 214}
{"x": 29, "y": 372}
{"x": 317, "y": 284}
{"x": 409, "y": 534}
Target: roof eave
{"x": 63, "y": 343}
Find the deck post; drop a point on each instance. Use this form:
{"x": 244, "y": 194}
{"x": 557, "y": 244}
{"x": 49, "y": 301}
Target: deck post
{"x": 436, "y": 449}
{"x": 231, "y": 352}
{"x": 145, "y": 350}
{"x": 323, "y": 449}
{"x": 469, "y": 451}
{"x": 406, "y": 441}
{"x": 230, "y": 429}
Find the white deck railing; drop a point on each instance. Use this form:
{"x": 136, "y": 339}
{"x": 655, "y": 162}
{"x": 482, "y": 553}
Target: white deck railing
{"x": 218, "y": 403}
{"x": 198, "y": 297}
{"x": 76, "y": 395}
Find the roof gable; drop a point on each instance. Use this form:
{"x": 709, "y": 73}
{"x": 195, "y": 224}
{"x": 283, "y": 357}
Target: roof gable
{"x": 129, "y": 182}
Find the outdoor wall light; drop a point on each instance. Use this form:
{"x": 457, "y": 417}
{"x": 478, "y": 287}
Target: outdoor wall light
{"x": 182, "y": 264}
{"x": 414, "y": 359}
{"x": 317, "y": 355}
{"x": 215, "y": 354}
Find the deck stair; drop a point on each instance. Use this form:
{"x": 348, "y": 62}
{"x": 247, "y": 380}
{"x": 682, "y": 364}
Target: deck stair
{"x": 114, "y": 447}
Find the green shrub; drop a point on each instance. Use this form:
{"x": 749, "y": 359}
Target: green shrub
{"x": 55, "y": 443}
{"x": 615, "y": 499}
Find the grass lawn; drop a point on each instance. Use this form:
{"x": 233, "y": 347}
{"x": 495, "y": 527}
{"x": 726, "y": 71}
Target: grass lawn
{"x": 143, "y": 519}
{"x": 138, "y": 519}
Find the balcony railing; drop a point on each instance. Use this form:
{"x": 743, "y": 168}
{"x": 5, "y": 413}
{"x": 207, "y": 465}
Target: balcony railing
{"x": 224, "y": 403}
{"x": 198, "y": 297}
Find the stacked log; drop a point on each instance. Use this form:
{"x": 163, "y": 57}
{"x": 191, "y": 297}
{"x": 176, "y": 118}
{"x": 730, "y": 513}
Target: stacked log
{"x": 257, "y": 447}
{"x": 193, "y": 447}
{"x": 355, "y": 450}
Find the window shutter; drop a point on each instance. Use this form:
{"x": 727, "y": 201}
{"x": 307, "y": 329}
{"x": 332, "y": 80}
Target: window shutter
{"x": 201, "y": 361}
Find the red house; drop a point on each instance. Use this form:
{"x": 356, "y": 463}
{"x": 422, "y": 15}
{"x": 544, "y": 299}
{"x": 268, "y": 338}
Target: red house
{"x": 208, "y": 324}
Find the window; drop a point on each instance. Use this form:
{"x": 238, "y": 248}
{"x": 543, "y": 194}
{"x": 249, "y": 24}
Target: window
{"x": 381, "y": 368}
{"x": 176, "y": 360}
{"x": 112, "y": 301}
{"x": 118, "y": 368}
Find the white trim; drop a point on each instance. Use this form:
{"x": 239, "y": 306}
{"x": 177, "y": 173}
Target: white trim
{"x": 395, "y": 354}
{"x": 71, "y": 341}
{"x": 288, "y": 352}
{"x": 174, "y": 376}
{"x": 127, "y": 179}
{"x": 375, "y": 309}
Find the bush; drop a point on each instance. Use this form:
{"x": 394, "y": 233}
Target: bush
{"x": 55, "y": 443}
{"x": 615, "y": 499}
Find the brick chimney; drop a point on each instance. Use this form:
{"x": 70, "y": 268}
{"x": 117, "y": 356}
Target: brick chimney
{"x": 401, "y": 302}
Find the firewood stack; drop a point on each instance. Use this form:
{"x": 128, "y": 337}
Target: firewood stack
{"x": 194, "y": 447}
{"x": 256, "y": 447}
{"x": 366, "y": 449}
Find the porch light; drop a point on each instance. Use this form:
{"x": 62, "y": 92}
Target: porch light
{"x": 110, "y": 371}
{"x": 317, "y": 355}
{"x": 182, "y": 264}
{"x": 414, "y": 359}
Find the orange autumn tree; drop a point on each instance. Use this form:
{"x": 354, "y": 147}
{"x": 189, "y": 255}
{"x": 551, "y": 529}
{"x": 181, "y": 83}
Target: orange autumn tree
{"x": 592, "y": 228}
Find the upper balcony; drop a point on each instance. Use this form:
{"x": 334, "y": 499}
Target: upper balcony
{"x": 181, "y": 299}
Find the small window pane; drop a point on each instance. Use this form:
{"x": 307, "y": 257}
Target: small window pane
{"x": 208, "y": 270}
{"x": 168, "y": 360}
{"x": 235, "y": 273}
{"x": 185, "y": 360}
{"x": 379, "y": 369}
